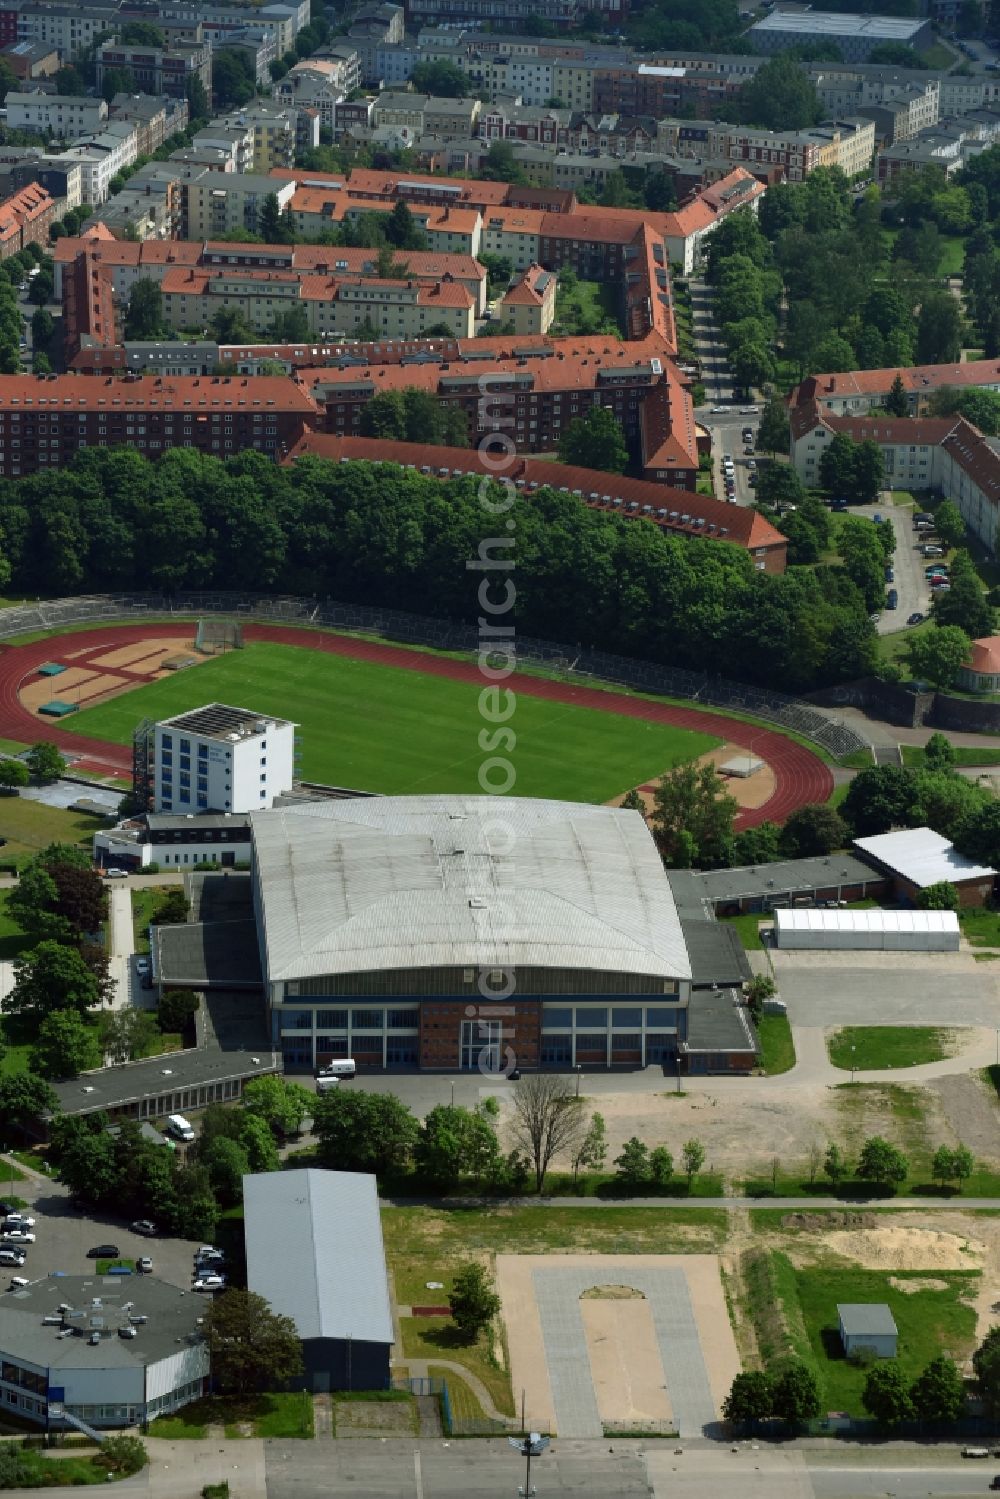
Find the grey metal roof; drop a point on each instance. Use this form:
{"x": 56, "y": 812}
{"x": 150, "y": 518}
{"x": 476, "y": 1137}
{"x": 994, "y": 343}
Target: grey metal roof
{"x": 866, "y": 1317}
{"x": 172, "y": 1321}
{"x": 691, "y": 887}
{"x": 173, "y": 822}
{"x": 193, "y": 955}
{"x": 922, "y": 856}
{"x": 117, "y": 1087}
{"x": 717, "y": 1023}
{"x": 315, "y": 1253}
{"x": 440, "y": 881}
{"x": 716, "y": 953}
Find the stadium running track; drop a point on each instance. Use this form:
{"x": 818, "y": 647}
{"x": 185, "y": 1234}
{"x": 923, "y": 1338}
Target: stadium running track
{"x": 800, "y": 776}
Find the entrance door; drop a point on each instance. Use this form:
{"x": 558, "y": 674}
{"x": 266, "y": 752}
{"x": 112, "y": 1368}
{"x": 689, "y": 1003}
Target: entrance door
{"x": 477, "y": 1037}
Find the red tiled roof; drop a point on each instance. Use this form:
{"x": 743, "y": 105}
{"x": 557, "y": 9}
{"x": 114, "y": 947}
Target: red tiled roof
{"x": 920, "y": 378}
{"x": 722, "y": 522}
{"x": 985, "y": 656}
{"x": 148, "y": 392}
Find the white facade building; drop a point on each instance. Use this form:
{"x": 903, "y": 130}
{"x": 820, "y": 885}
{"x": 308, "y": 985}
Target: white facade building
{"x": 61, "y": 115}
{"x": 221, "y": 759}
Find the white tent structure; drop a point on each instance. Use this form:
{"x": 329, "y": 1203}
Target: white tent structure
{"x": 874, "y": 931}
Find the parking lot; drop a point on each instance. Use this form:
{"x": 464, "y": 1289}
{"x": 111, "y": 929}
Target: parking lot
{"x": 63, "y": 1235}
{"x": 849, "y": 988}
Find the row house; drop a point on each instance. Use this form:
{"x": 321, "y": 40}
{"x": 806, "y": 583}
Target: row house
{"x": 25, "y": 218}
{"x": 856, "y": 392}
{"x": 61, "y": 115}
{"x": 155, "y": 119}
{"x": 159, "y": 70}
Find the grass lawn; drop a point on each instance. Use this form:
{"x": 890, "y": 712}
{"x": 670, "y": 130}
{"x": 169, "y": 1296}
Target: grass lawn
{"x": 914, "y": 755}
{"x": 438, "y": 1337}
{"x": 894, "y": 647}
{"x": 747, "y": 925}
{"x": 13, "y": 939}
{"x": 60, "y": 1472}
{"x": 586, "y": 306}
{"x": 400, "y": 731}
{"x": 980, "y": 926}
{"x": 929, "y": 1322}
{"x": 104, "y": 1266}
{"x": 952, "y": 261}
{"x": 464, "y": 1405}
{"x": 777, "y": 1047}
{"x": 145, "y": 906}
{"x": 285, "y": 1414}
{"x": 29, "y": 826}
{"x": 870, "y": 1047}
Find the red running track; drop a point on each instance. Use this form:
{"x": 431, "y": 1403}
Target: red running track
{"x": 800, "y": 775}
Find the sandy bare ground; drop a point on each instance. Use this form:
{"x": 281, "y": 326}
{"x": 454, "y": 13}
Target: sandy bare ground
{"x": 147, "y": 655}
{"x": 748, "y": 791}
{"x": 77, "y": 684}
{"x": 124, "y": 669}
{"x": 625, "y": 1361}
{"x": 639, "y": 1356}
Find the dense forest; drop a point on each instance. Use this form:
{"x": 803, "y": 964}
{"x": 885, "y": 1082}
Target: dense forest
{"x": 379, "y": 535}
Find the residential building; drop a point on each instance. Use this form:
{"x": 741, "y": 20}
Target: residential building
{"x": 216, "y": 203}
{"x": 321, "y": 84}
{"x": 680, "y": 512}
{"x": 944, "y": 146}
{"x": 149, "y": 206}
{"x": 259, "y": 46}
{"x": 61, "y": 179}
{"x": 856, "y": 36}
{"x": 25, "y": 219}
{"x": 45, "y": 420}
{"x": 159, "y": 70}
{"x": 59, "y": 115}
{"x": 942, "y": 453}
{"x": 220, "y": 759}
{"x": 108, "y": 1352}
{"x": 530, "y": 304}
{"x": 28, "y": 60}
{"x": 70, "y": 29}
{"x": 326, "y": 953}
{"x": 155, "y": 119}
{"x": 102, "y": 156}
{"x": 315, "y": 1254}
{"x": 858, "y": 391}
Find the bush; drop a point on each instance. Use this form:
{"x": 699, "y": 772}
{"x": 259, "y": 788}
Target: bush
{"x": 216, "y": 1490}
{"x": 122, "y": 1456}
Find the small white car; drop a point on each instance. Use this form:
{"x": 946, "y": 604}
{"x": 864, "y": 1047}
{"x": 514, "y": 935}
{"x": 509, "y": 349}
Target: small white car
{"x": 18, "y": 1236}
{"x": 11, "y": 1257}
{"x": 115, "y": 874}
{"x": 142, "y": 967}
{"x": 18, "y": 1220}
{"x": 17, "y": 1281}
{"x": 210, "y": 1283}
{"x": 144, "y": 1265}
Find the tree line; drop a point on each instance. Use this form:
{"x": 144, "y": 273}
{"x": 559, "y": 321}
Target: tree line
{"x": 384, "y": 536}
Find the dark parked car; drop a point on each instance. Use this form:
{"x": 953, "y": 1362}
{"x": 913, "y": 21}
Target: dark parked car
{"x": 915, "y": 619}
{"x": 892, "y": 599}
{"x": 103, "y": 1252}
{"x": 143, "y": 1226}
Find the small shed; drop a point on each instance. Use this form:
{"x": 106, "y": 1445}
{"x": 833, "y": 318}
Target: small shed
{"x": 870, "y": 930}
{"x": 867, "y": 1324}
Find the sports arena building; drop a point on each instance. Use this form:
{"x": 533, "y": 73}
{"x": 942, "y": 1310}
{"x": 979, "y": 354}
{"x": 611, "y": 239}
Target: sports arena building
{"x": 451, "y": 932}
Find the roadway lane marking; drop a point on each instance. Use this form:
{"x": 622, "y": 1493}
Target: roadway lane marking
{"x": 417, "y": 1477}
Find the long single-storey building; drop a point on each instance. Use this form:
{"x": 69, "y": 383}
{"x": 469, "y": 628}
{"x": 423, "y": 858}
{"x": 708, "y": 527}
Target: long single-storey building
{"x": 916, "y": 858}
{"x": 315, "y": 1253}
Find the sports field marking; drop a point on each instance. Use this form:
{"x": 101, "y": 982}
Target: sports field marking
{"x": 390, "y": 729}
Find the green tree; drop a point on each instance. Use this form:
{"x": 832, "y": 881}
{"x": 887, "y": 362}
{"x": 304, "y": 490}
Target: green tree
{"x": 881, "y": 1162}
{"x": 121, "y": 1456}
{"x": 693, "y": 816}
{"x": 227, "y": 1162}
{"x": 51, "y": 978}
{"x": 986, "y": 1363}
{"x": 886, "y": 1395}
{"x": 796, "y": 1393}
{"x": 939, "y": 753}
{"x": 760, "y": 988}
{"x": 965, "y": 603}
{"x": 750, "y": 1398}
{"x": 177, "y": 1009}
{"x": 24, "y": 1100}
{"x": 693, "y": 1156}
{"x": 949, "y": 524}
{"x": 939, "y": 329}
{"x": 941, "y": 896}
{"x": 661, "y": 1166}
{"x": 364, "y": 1131}
{"x": 834, "y": 1165}
{"x": 950, "y": 1165}
{"x": 233, "y": 81}
{"x": 257, "y": 1140}
{"x": 592, "y": 1150}
{"x": 251, "y": 1347}
{"x": 596, "y": 440}
{"x": 440, "y": 78}
{"x": 633, "y": 1165}
{"x": 980, "y": 407}
{"x": 281, "y": 1103}
{"x": 65, "y": 1047}
{"x": 473, "y": 1301}
{"x": 13, "y": 773}
{"x": 127, "y": 1034}
{"x": 773, "y": 434}
{"x": 836, "y": 465}
{"x": 501, "y": 165}
{"x": 42, "y": 327}
{"x": 547, "y": 1121}
{"x": 937, "y": 1393}
{"x": 401, "y": 229}
{"x": 937, "y": 656}
{"x": 780, "y": 96}
{"x": 142, "y": 34}
{"x": 813, "y": 831}
{"x": 44, "y": 762}
{"x": 896, "y": 402}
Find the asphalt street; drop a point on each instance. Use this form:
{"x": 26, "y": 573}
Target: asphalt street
{"x": 903, "y": 994}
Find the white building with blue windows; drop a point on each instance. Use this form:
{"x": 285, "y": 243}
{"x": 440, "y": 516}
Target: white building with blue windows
{"x": 221, "y": 759}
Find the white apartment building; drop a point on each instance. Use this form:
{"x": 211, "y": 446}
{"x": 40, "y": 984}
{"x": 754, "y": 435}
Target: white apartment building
{"x": 59, "y": 115}
{"x": 221, "y": 759}
{"x": 69, "y": 28}
{"x": 102, "y": 156}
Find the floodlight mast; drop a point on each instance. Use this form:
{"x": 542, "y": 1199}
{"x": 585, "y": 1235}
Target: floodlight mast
{"x": 532, "y": 1444}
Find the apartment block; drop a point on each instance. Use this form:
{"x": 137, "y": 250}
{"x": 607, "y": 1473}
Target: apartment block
{"x": 25, "y": 219}
{"x": 217, "y": 203}
{"x": 155, "y": 119}
{"x": 856, "y": 393}
{"x": 70, "y": 29}
{"x": 530, "y": 304}
{"x": 59, "y": 115}
{"x": 159, "y": 70}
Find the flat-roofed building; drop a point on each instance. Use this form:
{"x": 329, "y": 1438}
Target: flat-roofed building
{"x": 856, "y": 36}
{"x": 221, "y": 759}
{"x": 916, "y": 858}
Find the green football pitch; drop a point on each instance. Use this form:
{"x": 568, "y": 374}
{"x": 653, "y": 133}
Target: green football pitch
{"x": 384, "y": 728}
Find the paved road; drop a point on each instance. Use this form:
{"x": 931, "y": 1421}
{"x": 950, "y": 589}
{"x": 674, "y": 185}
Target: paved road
{"x": 825, "y": 994}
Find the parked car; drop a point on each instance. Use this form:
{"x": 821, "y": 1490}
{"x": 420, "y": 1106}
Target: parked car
{"x": 838, "y": 505}
{"x": 142, "y": 967}
{"x": 19, "y": 1220}
{"x": 8, "y": 1207}
{"x": 144, "y": 1226}
{"x": 975, "y": 1452}
{"x": 114, "y": 874}
{"x": 752, "y": 481}
{"x": 12, "y": 1257}
{"x": 748, "y": 411}
{"x": 17, "y": 1236}
{"x": 103, "y": 1252}
{"x": 892, "y": 599}
{"x": 748, "y": 450}
{"x": 17, "y": 1281}
{"x": 718, "y": 410}
{"x": 915, "y": 618}
{"x": 210, "y": 1283}
{"x": 932, "y": 551}
{"x": 890, "y": 576}
{"x": 144, "y": 1265}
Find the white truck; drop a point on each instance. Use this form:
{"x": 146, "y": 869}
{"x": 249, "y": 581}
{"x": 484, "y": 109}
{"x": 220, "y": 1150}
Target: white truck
{"x": 179, "y": 1126}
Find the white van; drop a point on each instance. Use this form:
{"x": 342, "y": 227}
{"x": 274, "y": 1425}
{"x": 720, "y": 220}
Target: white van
{"x": 341, "y": 1067}
{"x": 327, "y": 1084}
{"x": 178, "y": 1125}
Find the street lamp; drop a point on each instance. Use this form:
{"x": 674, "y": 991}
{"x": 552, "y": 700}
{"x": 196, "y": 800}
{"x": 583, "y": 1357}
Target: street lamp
{"x": 529, "y": 1446}
{"x": 579, "y": 1069}
{"x": 852, "y": 1062}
